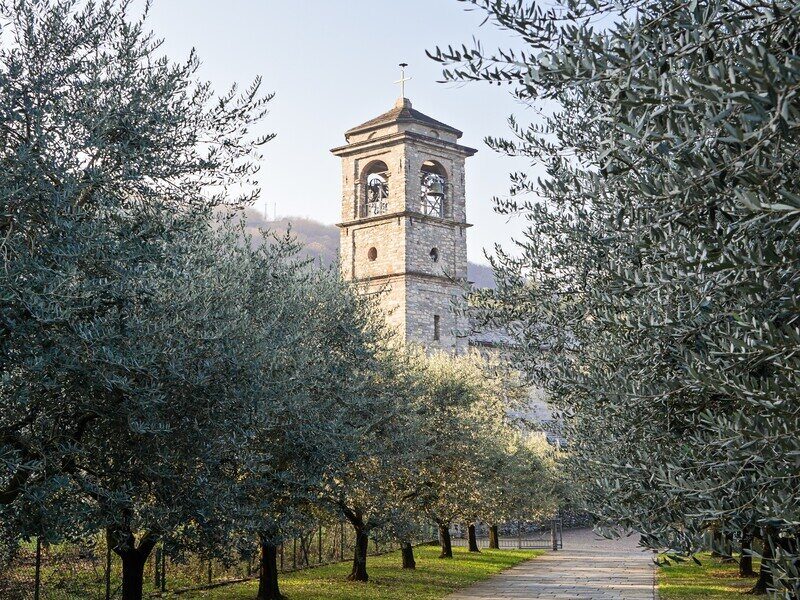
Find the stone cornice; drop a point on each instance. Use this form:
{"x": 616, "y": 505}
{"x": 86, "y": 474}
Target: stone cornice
{"x": 402, "y": 214}
{"x": 420, "y": 274}
{"x": 399, "y": 138}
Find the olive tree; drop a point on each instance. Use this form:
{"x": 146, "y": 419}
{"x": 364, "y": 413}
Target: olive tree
{"x": 325, "y": 409}
{"x": 379, "y": 441}
{"x": 112, "y": 161}
{"x": 465, "y": 412}
{"x": 529, "y": 482}
{"x": 655, "y": 292}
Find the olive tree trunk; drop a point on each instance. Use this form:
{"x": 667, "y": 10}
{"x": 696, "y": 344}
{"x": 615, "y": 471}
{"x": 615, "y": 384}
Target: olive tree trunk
{"x": 494, "y": 538}
{"x": 727, "y": 548}
{"x": 746, "y": 557}
{"x": 408, "y": 556}
{"x": 444, "y": 540}
{"x": 133, "y": 558}
{"x": 473, "y": 539}
{"x": 716, "y": 543}
{"x": 765, "y": 573}
{"x": 359, "y": 571}
{"x": 268, "y": 588}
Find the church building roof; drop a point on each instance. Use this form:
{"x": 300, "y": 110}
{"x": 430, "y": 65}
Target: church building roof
{"x": 402, "y": 112}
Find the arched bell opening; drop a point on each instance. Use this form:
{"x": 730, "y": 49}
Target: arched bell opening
{"x": 375, "y": 184}
{"x": 433, "y": 189}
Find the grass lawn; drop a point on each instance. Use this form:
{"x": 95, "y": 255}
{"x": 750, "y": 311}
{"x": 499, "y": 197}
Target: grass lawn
{"x": 714, "y": 579}
{"x": 433, "y": 578}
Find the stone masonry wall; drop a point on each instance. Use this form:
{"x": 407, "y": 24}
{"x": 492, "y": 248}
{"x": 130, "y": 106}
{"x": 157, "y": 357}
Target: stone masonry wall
{"x": 386, "y": 237}
{"x": 392, "y": 295}
{"x": 424, "y": 300}
{"x": 450, "y": 243}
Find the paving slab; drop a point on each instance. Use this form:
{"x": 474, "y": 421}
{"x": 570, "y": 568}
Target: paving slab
{"x": 589, "y": 567}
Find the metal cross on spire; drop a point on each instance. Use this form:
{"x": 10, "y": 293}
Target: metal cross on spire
{"x": 403, "y": 79}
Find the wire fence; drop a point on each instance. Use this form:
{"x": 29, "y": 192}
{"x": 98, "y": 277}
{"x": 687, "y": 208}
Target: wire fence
{"x": 538, "y": 536}
{"x": 88, "y": 570}
{"x": 546, "y": 534}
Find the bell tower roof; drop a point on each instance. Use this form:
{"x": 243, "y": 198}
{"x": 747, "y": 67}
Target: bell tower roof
{"x": 401, "y": 112}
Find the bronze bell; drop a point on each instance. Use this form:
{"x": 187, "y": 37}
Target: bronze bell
{"x": 436, "y": 187}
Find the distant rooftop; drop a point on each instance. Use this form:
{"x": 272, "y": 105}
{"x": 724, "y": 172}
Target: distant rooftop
{"x": 402, "y": 112}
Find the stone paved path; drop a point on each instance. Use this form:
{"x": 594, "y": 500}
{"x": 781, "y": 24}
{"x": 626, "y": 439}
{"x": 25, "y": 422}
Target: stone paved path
{"x": 588, "y": 567}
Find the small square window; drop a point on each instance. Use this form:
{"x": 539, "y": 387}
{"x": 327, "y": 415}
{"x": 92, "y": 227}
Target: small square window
{"x": 436, "y": 328}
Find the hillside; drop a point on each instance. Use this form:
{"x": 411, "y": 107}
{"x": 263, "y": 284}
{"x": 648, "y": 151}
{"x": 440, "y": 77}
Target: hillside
{"x": 322, "y": 241}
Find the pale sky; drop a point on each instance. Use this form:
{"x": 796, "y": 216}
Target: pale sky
{"x": 332, "y": 64}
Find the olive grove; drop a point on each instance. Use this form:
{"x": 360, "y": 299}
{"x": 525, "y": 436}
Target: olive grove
{"x": 112, "y": 381}
{"x": 654, "y": 291}
{"x": 466, "y": 410}
{"x": 172, "y": 382}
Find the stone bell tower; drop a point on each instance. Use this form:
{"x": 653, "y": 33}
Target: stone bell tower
{"x": 404, "y": 225}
